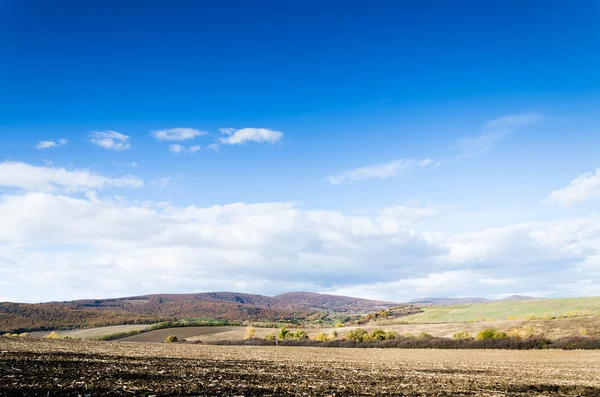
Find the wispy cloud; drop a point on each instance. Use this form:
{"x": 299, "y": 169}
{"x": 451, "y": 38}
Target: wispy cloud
{"x": 377, "y": 171}
{"x": 49, "y": 179}
{"x": 176, "y": 148}
{"x": 260, "y": 135}
{"x": 583, "y": 188}
{"x": 176, "y": 134}
{"x": 125, "y": 164}
{"x": 51, "y": 144}
{"x": 492, "y": 132}
{"x": 111, "y": 140}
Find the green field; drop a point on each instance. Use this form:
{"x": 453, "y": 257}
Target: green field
{"x": 505, "y": 310}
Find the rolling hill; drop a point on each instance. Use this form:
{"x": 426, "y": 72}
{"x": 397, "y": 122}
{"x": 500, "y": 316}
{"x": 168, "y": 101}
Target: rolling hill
{"x": 464, "y": 301}
{"x": 226, "y": 306}
{"x": 503, "y": 310}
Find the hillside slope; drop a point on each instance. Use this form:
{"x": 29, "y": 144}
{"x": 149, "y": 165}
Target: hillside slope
{"x": 228, "y": 306}
{"x": 502, "y": 310}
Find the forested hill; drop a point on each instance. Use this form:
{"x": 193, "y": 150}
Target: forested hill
{"x": 227, "y": 306}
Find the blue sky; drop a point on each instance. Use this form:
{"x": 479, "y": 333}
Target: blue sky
{"x": 379, "y": 149}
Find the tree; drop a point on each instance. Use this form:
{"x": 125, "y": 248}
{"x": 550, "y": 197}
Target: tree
{"x": 171, "y": 339}
{"x": 283, "y": 332}
{"x": 299, "y": 335}
{"x": 250, "y": 332}
{"x": 322, "y": 336}
{"x": 358, "y": 335}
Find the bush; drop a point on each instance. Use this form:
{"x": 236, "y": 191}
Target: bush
{"x": 461, "y": 335}
{"x": 391, "y": 335}
{"x": 375, "y": 335}
{"x": 171, "y": 339}
{"x": 322, "y": 336}
{"x": 283, "y": 333}
{"x": 339, "y": 325}
{"x": 491, "y": 334}
{"x": 298, "y": 335}
{"x": 270, "y": 337}
{"x": 52, "y": 335}
{"x": 358, "y": 335}
{"x": 250, "y": 332}
{"x": 425, "y": 335}
{"x": 333, "y": 334}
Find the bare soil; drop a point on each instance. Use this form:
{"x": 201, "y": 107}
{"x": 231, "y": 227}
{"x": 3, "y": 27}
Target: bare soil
{"x": 33, "y": 367}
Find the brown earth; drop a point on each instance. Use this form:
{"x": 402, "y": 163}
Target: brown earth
{"x": 30, "y": 367}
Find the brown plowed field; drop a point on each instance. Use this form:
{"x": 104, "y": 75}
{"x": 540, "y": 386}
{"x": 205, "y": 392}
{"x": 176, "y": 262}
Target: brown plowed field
{"x": 33, "y": 367}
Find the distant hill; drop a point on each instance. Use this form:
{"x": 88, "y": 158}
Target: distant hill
{"x": 517, "y": 298}
{"x": 464, "y": 301}
{"x": 227, "y": 306}
{"x": 336, "y": 303}
{"x": 446, "y": 301}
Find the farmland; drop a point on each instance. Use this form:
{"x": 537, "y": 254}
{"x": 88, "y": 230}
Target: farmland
{"x": 65, "y": 367}
{"x": 503, "y": 310}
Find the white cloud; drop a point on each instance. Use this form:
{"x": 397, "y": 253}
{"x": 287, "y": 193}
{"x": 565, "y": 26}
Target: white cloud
{"x": 51, "y": 144}
{"x": 132, "y": 164}
{"x": 513, "y": 120}
{"x": 56, "y": 246}
{"x": 111, "y": 140}
{"x": 213, "y": 146}
{"x": 49, "y": 179}
{"x": 236, "y": 137}
{"x": 177, "y": 134}
{"x": 377, "y": 171}
{"x": 176, "y": 148}
{"x": 585, "y": 187}
{"x": 494, "y": 131}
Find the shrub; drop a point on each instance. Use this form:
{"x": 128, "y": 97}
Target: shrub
{"x": 298, "y": 335}
{"x": 250, "y": 332}
{"x": 425, "y": 335}
{"x": 171, "y": 339}
{"x": 339, "y": 325}
{"x": 270, "y": 337}
{"x": 358, "y": 335}
{"x": 283, "y": 333}
{"x": 511, "y": 318}
{"x": 391, "y": 335}
{"x": 322, "y": 336}
{"x": 375, "y": 335}
{"x": 24, "y": 334}
{"x": 583, "y": 332}
{"x": 521, "y": 333}
{"x": 491, "y": 334}
{"x": 333, "y": 334}
{"x": 52, "y": 335}
{"x": 461, "y": 335}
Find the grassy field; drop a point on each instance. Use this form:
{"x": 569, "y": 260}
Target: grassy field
{"x": 93, "y": 333}
{"x": 30, "y": 367}
{"x": 553, "y": 329}
{"x": 504, "y": 310}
